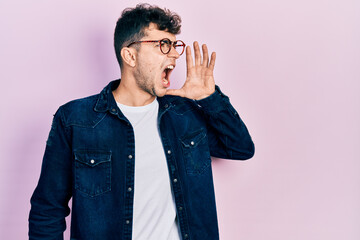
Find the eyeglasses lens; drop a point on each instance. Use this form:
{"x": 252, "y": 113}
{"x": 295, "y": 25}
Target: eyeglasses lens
{"x": 165, "y": 46}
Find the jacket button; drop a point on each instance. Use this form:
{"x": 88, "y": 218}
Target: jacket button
{"x": 127, "y": 221}
{"x": 166, "y": 106}
{"x": 129, "y": 189}
{"x": 186, "y": 236}
{"x": 92, "y": 161}
{"x": 169, "y": 151}
{"x": 192, "y": 143}
{"x": 130, "y": 156}
{"x": 180, "y": 208}
{"x": 175, "y": 180}
{"x": 113, "y": 110}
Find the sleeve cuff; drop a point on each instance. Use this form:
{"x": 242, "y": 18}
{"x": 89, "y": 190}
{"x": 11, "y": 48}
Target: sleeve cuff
{"x": 214, "y": 102}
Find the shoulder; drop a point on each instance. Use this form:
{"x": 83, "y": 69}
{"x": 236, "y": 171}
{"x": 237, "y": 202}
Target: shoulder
{"x": 80, "y": 112}
{"x": 179, "y": 105}
{"x": 87, "y": 102}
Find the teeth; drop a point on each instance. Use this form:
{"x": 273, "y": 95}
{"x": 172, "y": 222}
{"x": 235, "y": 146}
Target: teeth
{"x": 170, "y": 67}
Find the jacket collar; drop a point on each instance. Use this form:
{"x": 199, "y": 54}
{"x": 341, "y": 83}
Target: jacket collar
{"x": 106, "y": 99}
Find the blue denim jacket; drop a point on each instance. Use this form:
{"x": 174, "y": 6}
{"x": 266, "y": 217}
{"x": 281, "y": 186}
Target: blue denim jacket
{"x": 90, "y": 156}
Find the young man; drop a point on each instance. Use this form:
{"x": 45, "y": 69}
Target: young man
{"x": 135, "y": 159}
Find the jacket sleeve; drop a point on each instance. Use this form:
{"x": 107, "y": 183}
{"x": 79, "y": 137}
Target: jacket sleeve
{"x": 49, "y": 202}
{"x": 227, "y": 134}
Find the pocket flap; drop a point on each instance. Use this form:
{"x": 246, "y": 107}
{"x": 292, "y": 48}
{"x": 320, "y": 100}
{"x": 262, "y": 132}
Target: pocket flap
{"x": 193, "y": 139}
{"x": 92, "y": 158}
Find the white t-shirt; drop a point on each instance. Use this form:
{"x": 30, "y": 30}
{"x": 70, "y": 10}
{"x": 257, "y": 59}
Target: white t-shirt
{"x": 154, "y": 216}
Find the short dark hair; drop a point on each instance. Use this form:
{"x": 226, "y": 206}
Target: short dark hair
{"x": 133, "y": 21}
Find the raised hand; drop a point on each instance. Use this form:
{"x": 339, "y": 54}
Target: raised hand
{"x": 200, "y": 81}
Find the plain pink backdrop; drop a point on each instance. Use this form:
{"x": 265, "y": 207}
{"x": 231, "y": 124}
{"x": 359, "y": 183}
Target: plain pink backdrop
{"x": 291, "y": 69}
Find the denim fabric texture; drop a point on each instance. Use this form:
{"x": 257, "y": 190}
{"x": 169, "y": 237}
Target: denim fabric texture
{"x": 90, "y": 157}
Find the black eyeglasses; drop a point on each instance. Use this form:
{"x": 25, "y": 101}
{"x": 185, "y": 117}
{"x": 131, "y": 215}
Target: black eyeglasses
{"x": 165, "y": 45}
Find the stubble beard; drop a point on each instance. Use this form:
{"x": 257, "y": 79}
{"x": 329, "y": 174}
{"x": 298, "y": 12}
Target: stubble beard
{"x": 144, "y": 82}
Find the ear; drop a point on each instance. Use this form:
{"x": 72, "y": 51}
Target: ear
{"x": 128, "y": 56}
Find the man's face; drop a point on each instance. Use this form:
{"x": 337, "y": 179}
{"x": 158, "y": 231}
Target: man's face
{"x": 153, "y": 68}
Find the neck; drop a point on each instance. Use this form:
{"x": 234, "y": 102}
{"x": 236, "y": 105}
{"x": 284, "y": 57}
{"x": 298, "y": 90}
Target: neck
{"x": 128, "y": 93}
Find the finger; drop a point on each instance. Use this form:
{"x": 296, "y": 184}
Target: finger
{"x": 175, "y": 92}
{"x": 189, "y": 59}
{"x": 197, "y": 54}
{"x": 212, "y": 61}
{"x": 205, "y": 55}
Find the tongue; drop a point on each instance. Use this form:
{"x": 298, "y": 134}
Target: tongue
{"x": 165, "y": 82}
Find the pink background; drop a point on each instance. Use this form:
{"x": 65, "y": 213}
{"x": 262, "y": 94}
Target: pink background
{"x": 291, "y": 69}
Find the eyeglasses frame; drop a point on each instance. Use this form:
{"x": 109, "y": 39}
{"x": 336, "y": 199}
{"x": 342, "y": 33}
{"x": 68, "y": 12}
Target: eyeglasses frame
{"x": 172, "y": 44}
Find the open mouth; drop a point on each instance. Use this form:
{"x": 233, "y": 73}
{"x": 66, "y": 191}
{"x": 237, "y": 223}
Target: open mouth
{"x": 166, "y": 75}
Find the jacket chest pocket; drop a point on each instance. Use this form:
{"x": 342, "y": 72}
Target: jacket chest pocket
{"x": 92, "y": 172}
{"x": 196, "y": 152}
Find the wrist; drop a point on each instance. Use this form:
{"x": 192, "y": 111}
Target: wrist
{"x": 205, "y": 95}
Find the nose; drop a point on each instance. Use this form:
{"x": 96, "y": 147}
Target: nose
{"x": 173, "y": 53}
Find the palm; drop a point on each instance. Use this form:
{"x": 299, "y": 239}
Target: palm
{"x": 200, "y": 81}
